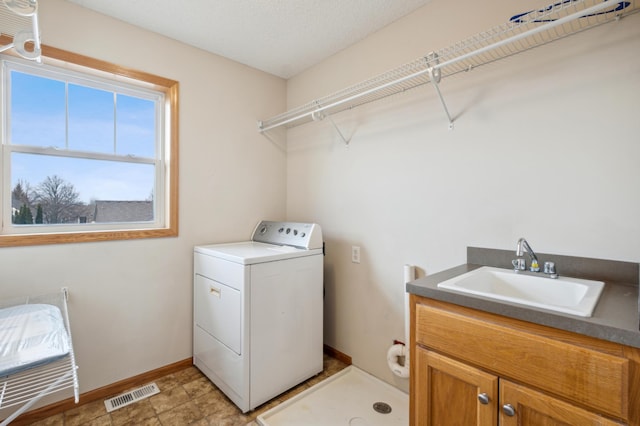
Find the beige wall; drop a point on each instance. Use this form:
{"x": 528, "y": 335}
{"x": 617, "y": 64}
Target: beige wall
{"x": 546, "y": 145}
{"x": 131, "y": 301}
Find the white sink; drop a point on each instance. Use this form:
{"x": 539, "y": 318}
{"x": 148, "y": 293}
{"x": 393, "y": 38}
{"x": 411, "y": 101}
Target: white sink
{"x": 568, "y": 295}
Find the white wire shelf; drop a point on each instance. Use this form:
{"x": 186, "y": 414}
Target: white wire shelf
{"x": 25, "y": 388}
{"x": 523, "y": 32}
{"x": 37, "y": 382}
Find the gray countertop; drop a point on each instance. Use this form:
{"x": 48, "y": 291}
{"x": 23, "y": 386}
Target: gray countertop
{"x": 615, "y": 317}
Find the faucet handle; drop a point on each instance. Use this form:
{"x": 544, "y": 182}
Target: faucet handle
{"x": 519, "y": 264}
{"x": 549, "y": 268}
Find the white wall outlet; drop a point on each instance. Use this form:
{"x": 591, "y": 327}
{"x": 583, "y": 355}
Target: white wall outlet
{"x": 355, "y": 254}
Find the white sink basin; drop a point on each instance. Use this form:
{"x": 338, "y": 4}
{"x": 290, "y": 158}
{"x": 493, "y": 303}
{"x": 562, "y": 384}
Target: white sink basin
{"x": 568, "y": 295}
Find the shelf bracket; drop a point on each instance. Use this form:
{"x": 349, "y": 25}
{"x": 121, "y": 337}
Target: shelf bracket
{"x": 444, "y": 105}
{"x": 434, "y": 76}
{"x": 319, "y": 115}
{"x": 264, "y": 132}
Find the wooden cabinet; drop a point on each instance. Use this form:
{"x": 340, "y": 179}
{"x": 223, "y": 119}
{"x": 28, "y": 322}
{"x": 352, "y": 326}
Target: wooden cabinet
{"x": 468, "y": 365}
{"x": 453, "y": 393}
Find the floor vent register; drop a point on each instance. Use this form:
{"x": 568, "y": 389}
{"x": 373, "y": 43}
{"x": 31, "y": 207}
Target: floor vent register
{"x": 130, "y": 397}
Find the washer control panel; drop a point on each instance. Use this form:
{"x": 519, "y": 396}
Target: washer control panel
{"x": 295, "y": 234}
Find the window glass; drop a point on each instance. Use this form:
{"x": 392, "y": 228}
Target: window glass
{"x": 91, "y": 119}
{"x": 135, "y": 126}
{"x": 70, "y": 188}
{"x": 37, "y": 111}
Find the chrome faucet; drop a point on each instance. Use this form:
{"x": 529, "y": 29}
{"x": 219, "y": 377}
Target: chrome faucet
{"x": 522, "y": 246}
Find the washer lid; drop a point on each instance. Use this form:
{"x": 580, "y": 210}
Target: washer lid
{"x": 250, "y": 252}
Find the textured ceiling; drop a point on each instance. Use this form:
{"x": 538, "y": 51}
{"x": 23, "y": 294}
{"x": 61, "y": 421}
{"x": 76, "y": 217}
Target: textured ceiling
{"x": 281, "y": 37}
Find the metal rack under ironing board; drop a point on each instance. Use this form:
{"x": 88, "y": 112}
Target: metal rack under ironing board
{"x": 26, "y": 387}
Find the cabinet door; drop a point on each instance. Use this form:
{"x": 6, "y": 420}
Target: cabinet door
{"x": 448, "y": 392}
{"x": 529, "y": 407}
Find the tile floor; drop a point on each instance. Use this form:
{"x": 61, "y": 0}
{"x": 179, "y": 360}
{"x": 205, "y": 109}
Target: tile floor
{"x": 186, "y": 398}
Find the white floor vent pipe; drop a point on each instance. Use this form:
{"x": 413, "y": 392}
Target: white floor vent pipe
{"x": 398, "y": 354}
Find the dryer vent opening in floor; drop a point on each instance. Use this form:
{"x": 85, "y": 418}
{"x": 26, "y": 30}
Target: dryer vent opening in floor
{"x": 130, "y": 397}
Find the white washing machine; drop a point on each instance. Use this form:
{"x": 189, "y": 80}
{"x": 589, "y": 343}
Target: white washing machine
{"x": 257, "y": 328}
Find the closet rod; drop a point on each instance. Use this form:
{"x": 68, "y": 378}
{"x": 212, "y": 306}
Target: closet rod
{"x": 353, "y": 94}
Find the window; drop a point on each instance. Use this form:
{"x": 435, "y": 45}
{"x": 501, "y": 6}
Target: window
{"x": 89, "y": 151}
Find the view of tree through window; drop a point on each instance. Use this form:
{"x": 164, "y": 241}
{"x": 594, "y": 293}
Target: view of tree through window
{"x": 82, "y": 151}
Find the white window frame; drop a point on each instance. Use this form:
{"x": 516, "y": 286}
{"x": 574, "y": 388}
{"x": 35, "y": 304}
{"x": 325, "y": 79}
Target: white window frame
{"x": 77, "y": 69}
